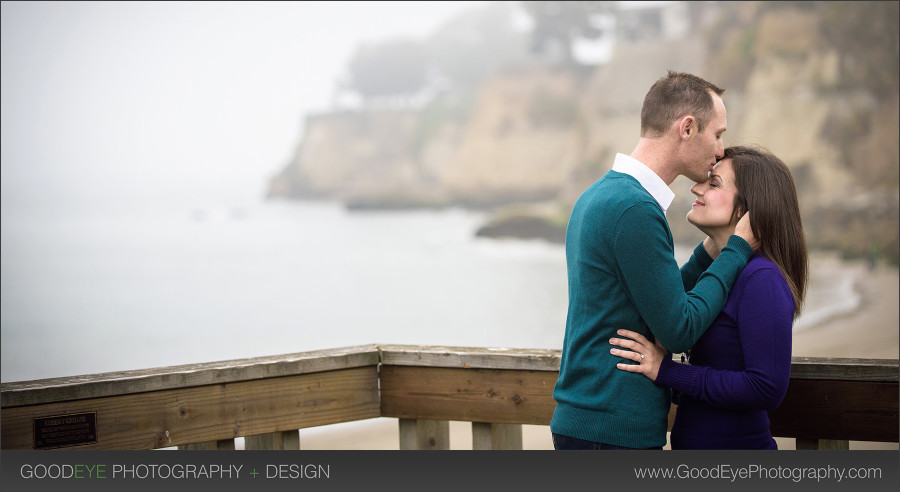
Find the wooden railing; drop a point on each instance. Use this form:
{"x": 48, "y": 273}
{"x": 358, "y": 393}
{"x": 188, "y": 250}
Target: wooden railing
{"x": 266, "y": 400}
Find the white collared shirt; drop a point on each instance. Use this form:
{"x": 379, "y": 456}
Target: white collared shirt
{"x": 651, "y": 181}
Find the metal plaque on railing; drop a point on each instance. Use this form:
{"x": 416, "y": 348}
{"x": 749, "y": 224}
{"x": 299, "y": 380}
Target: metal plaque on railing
{"x": 65, "y": 430}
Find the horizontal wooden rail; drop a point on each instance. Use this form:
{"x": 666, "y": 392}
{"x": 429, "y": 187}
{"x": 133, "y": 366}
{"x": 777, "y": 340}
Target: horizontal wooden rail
{"x": 201, "y": 404}
{"x": 176, "y": 377}
{"x": 266, "y": 400}
{"x": 828, "y": 399}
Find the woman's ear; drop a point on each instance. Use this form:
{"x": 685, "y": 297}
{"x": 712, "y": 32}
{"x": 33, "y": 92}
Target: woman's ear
{"x": 740, "y": 206}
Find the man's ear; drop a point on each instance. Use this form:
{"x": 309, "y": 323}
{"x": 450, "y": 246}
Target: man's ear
{"x": 687, "y": 126}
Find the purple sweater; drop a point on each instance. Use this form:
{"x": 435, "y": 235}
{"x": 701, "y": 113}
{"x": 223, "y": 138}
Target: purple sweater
{"x": 739, "y": 369}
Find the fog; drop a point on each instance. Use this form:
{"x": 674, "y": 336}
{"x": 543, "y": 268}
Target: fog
{"x": 139, "y": 139}
{"x": 175, "y": 101}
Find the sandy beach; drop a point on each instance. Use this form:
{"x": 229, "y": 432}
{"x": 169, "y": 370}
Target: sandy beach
{"x": 870, "y": 331}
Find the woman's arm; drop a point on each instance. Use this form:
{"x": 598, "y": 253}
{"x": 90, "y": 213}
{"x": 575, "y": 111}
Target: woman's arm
{"x": 764, "y": 324}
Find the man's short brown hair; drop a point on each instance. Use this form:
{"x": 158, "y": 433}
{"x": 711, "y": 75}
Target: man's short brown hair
{"x": 676, "y": 95}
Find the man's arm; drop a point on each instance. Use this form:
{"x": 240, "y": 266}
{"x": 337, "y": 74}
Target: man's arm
{"x": 698, "y": 263}
{"x": 706, "y": 252}
{"x": 653, "y": 281}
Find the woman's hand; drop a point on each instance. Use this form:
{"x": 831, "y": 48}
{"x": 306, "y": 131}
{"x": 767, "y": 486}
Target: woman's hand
{"x": 744, "y": 230}
{"x": 647, "y": 355}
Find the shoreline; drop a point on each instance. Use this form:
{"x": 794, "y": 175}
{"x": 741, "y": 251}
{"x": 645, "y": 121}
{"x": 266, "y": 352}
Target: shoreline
{"x": 870, "y": 331}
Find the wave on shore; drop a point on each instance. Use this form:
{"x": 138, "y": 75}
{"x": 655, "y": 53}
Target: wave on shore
{"x": 833, "y": 291}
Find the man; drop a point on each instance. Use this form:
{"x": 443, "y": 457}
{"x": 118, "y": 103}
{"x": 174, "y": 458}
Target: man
{"x": 623, "y": 274}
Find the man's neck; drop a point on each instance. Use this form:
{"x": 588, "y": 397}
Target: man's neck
{"x": 653, "y": 153}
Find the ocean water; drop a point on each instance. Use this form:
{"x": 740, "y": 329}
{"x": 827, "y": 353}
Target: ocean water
{"x": 90, "y": 288}
{"x": 89, "y": 291}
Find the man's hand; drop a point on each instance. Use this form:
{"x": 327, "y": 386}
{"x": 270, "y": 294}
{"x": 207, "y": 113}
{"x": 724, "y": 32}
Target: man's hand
{"x": 745, "y": 232}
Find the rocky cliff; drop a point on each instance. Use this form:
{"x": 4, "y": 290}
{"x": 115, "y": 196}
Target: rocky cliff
{"x": 541, "y": 134}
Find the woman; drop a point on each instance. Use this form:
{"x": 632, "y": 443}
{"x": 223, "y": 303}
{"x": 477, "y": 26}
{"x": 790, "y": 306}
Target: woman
{"x": 739, "y": 368}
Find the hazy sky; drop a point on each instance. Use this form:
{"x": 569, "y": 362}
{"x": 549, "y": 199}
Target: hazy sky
{"x": 174, "y": 99}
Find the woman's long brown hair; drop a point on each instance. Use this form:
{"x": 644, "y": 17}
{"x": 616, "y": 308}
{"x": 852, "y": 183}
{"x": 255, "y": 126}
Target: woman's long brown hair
{"x": 766, "y": 188}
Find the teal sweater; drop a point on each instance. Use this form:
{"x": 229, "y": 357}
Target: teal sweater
{"x": 623, "y": 274}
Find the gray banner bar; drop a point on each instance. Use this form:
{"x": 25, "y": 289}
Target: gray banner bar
{"x": 519, "y": 471}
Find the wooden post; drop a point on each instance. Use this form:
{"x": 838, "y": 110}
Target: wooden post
{"x": 424, "y": 434}
{"x": 220, "y": 445}
{"x": 279, "y": 440}
{"x": 290, "y": 440}
{"x": 486, "y": 435}
{"x": 822, "y": 444}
